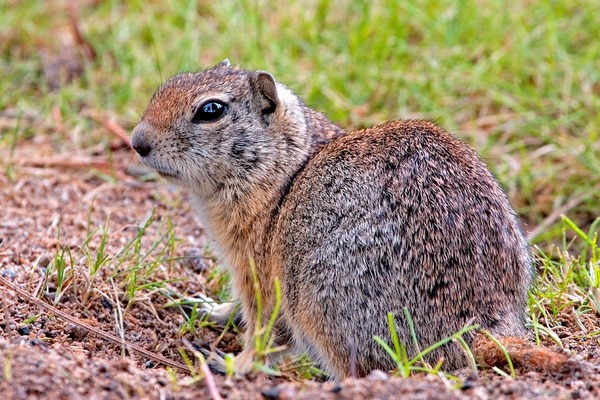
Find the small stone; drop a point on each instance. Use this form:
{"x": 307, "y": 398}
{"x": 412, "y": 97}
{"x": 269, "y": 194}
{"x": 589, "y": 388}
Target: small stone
{"x": 470, "y": 382}
{"x": 288, "y": 393}
{"x": 75, "y": 332}
{"x": 106, "y": 303}
{"x": 467, "y": 385}
{"x": 149, "y": 364}
{"x": 336, "y": 389}
{"x": 42, "y": 261}
{"x": 271, "y": 393}
{"x": 23, "y": 331}
{"x": 39, "y": 343}
{"x": 377, "y": 375}
{"x": 9, "y": 274}
{"x": 228, "y": 383}
{"x": 102, "y": 368}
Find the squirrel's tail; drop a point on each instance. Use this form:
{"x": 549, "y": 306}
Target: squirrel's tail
{"x": 523, "y": 354}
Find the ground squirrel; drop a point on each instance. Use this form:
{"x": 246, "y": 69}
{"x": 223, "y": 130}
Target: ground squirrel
{"x": 354, "y": 225}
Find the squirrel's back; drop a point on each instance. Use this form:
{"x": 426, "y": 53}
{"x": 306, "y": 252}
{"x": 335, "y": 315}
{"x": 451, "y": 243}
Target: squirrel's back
{"x": 399, "y": 215}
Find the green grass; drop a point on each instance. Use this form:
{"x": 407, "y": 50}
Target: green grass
{"x": 517, "y": 80}
{"x": 568, "y": 282}
{"x": 405, "y": 365}
{"x": 132, "y": 271}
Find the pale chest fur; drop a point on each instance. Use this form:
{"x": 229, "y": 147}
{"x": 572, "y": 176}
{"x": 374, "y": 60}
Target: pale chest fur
{"x": 240, "y": 234}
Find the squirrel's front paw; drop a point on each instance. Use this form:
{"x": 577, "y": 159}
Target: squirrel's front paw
{"x": 219, "y": 313}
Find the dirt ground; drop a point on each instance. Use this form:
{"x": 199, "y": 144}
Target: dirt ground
{"x": 51, "y": 204}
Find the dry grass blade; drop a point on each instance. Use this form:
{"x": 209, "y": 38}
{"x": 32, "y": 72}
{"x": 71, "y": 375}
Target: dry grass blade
{"x": 113, "y": 128}
{"x": 86, "y": 48}
{"x": 555, "y": 215}
{"x": 105, "y": 335}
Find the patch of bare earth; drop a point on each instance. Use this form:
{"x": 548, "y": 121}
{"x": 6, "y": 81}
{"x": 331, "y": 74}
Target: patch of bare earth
{"x": 53, "y": 206}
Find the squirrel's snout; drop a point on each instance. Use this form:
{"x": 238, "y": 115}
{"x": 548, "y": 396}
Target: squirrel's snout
{"x": 139, "y": 142}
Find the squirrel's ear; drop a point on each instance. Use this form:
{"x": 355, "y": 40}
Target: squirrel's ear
{"x": 264, "y": 84}
{"x": 223, "y": 64}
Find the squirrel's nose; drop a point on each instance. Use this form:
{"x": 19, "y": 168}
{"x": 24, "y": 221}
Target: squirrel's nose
{"x": 139, "y": 142}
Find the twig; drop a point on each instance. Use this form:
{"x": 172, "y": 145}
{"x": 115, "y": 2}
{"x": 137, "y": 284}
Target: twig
{"x": 105, "y": 335}
{"x": 61, "y": 162}
{"x": 86, "y": 47}
{"x": 56, "y": 116}
{"x": 7, "y": 328}
{"x": 555, "y": 215}
{"x": 112, "y": 127}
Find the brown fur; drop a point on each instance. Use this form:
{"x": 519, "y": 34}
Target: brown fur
{"x": 354, "y": 225}
{"x": 522, "y": 354}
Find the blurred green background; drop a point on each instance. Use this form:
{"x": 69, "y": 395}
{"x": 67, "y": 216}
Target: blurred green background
{"x": 518, "y": 80}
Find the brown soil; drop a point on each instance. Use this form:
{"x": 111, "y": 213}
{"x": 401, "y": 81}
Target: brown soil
{"x": 46, "y": 208}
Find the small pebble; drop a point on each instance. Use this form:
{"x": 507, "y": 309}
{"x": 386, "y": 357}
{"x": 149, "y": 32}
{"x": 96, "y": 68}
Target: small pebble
{"x": 9, "y": 274}
{"x": 228, "y": 383}
{"x": 377, "y": 375}
{"x": 271, "y": 393}
{"x": 336, "y": 389}
{"x": 39, "y": 343}
{"x": 288, "y": 393}
{"x": 106, "y": 303}
{"x": 470, "y": 382}
{"x": 24, "y": 330}
{"x": 149, "y": 364}
{"x": 76, "y": 332}
{"x": 42, "y": 261}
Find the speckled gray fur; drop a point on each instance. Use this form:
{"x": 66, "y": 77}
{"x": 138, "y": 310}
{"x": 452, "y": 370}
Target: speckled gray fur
{"x": 354, "y": 225}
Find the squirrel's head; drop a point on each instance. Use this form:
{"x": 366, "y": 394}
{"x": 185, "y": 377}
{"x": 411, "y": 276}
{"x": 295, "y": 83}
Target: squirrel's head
{"x": 219, "y": 128}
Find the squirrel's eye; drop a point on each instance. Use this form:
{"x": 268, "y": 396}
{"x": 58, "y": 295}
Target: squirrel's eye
{"x": 209, "y": 111}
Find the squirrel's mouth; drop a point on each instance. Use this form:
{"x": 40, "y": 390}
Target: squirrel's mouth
{"x": 167, "y": 173}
